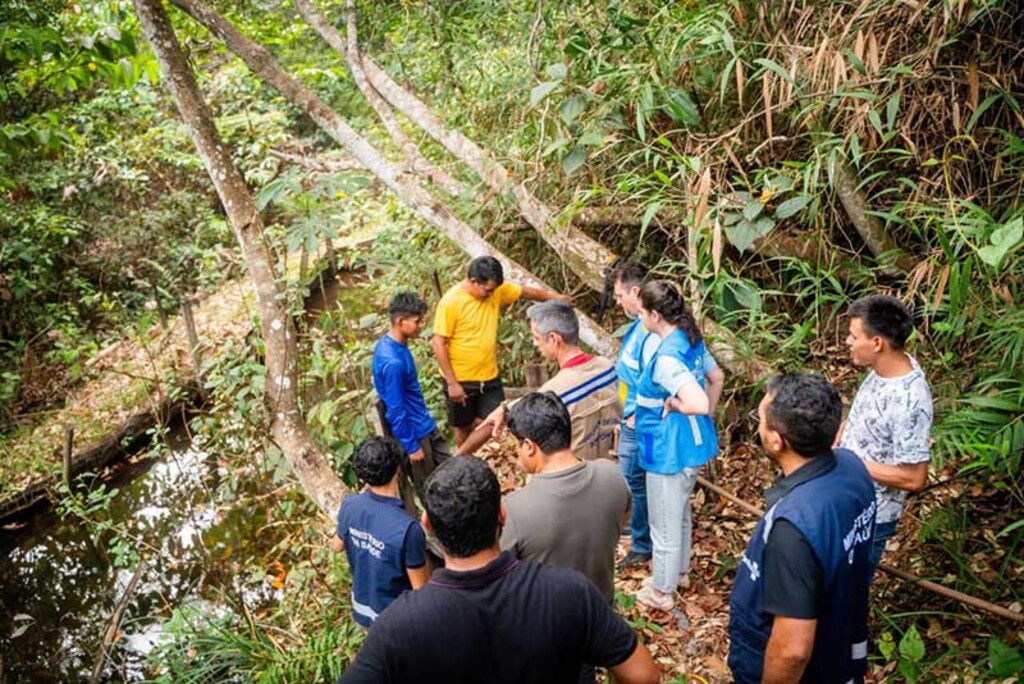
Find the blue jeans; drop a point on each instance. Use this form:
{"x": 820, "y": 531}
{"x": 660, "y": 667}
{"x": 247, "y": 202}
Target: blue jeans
{"x": 636, "y": 478}
{"x": 883, "y": 533}
{"x": 671, "y": 526}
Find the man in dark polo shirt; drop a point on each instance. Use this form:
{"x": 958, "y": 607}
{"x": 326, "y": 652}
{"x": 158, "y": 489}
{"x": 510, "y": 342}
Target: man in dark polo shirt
{"x": 488, "y": 617}
{"x": 385, "y": 546}
{"x": 800, "y": 603}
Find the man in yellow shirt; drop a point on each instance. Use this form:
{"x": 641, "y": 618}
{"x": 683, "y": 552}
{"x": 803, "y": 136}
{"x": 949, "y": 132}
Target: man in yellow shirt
{"x": 466, "y": 339}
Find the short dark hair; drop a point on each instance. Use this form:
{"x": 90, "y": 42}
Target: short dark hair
{"x": 376, "y": 459}
{"x": 406, "y": 305}
{"x": 630, "y": 273}
{"x": 486, "y": 269}
{"x": 462, "y": 498}
{"x": 884, "y": 316}
{"x": 542, "y": 418}
{"x": 806, "y": 410}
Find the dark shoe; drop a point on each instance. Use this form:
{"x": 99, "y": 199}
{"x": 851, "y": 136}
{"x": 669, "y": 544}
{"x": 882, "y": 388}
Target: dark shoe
{"x": 633, "y": 559}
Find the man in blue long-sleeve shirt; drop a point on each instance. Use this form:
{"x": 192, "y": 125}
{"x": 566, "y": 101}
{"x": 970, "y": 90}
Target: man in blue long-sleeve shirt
{"x": 394, "y": 378}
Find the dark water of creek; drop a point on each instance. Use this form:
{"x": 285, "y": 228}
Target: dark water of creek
{"x": 63, "y": 589}
{"x": 59, "y": 589}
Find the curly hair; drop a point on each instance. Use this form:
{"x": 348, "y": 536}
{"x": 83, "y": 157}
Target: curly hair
{"x": 806, "y": 410}
{"x": 376, "y": 460}
{"x": 462, "y": 498}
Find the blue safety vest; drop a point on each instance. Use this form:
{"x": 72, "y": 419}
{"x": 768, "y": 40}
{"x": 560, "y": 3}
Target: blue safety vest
{"x": 835, "y": 512}
{"x": 678, "y": 441}
{"x": 627, "y": 366}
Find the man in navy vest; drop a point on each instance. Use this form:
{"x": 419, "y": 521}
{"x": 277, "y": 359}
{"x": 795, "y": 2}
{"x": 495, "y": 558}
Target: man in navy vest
{"x": 385, "y": 546}
{"x": 799, "y": 606}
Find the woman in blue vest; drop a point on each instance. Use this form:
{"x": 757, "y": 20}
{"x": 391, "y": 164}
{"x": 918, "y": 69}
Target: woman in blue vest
{"x": 676, "y": 394}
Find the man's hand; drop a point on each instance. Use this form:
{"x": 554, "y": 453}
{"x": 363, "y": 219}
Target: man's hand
{"x": 496, "y": 420}
{"x": 456, "y": 394}
{"x": 565, "y": 298}
{"x": 417, "y": 455}
{"x": 631, "y": 422}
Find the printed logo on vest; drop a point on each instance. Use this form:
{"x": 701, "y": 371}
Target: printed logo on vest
{"x": 755, "y": 572}
{"x": 860, "y": 532}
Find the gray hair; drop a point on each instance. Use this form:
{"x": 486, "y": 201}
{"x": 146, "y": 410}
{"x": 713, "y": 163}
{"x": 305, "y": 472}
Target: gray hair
{"x": 555, "y": 316}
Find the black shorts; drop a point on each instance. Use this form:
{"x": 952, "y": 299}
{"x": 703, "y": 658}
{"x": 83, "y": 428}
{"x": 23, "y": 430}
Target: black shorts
{"x": 481, "y": 399}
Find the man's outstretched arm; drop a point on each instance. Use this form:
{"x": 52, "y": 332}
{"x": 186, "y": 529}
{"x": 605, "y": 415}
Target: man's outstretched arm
{"x": 538, "y": 295}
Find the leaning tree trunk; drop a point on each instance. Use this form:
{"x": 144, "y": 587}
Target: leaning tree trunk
{"x": 350, "y": 49}
{"x": 287, "y": 424}
{"x": 262, "y": 63}
{"x": 586, "y": 257}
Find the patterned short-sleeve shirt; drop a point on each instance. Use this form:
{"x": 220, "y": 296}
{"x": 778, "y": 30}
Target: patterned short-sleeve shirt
{"x": 890, "y": 422}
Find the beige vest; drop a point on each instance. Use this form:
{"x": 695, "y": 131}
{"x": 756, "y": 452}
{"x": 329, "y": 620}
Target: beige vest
{"x": 590, "y": 392}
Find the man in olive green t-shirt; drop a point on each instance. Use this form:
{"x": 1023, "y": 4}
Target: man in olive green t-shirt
{"x": 571, "y": 512}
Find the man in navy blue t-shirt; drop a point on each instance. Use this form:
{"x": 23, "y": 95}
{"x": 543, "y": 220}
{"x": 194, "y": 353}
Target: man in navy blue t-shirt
{"x": 386, "y": 548}
{"x": 394, "y": 378}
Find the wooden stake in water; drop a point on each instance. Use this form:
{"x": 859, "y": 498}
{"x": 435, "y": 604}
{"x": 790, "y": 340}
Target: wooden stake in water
{"x": 69, "y": 442}
{"x": 193, "y": 343}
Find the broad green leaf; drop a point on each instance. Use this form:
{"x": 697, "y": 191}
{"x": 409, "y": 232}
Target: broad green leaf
{"x": 591, "y": 139}
{"x": 572, "y": 108}
{"x": 574, "y": 160}
{"x": 1003, "y": 239}
{"x": 556, "y": 71}
{"x": 792, "y": 206}
{"x": 764, "y": 225}
{"x": 649, "y": 213}
{"x": 886, "y": 645}
{"x": 741, "y": 234}
{"x": 892, "y": 107}
{"x": 682, "y": 108}
{"x": 747, "y": 295}
{"x": 541, "y": 91}
{"x": 1004, "y": 660}
{"x": 752, "y": 210}
{"x": 876, "y": 121}
{"x": 912, "y": 646}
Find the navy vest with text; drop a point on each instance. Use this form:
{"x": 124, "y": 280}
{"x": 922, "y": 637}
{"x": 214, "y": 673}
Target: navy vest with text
{"x": 374, "y": 528}
{"x": 835, "y": 512}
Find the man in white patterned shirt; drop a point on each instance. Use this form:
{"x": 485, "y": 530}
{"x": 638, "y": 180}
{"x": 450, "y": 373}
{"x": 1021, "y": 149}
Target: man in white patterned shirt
{"x": 891, "y": 416}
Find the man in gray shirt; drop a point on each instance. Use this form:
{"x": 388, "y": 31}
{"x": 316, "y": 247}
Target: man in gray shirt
{"x": 571, "y": 511}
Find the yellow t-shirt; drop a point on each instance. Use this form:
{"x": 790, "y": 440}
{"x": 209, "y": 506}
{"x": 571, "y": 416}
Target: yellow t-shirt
{"x": 471, "y": 327}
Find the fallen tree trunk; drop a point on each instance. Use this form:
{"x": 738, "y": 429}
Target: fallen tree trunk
{"x": 287, "y": 423}
{"x": 129, "y": 438}
{"x": 350, "y": 49}
{"x": 585, "y": 257}
{"x": 263, "y": 64}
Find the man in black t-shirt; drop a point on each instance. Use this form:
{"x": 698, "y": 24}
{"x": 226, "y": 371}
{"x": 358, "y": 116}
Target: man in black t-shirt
{"x": 488, "y": 617}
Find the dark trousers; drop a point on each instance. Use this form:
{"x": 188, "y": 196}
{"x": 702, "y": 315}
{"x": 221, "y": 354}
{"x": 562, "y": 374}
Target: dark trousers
{"x": 435, "y": 452}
